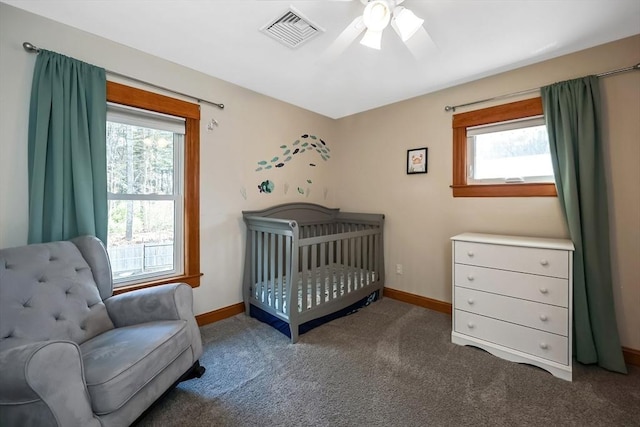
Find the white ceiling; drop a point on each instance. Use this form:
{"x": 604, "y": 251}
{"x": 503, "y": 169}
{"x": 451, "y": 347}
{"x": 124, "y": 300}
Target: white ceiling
{"x": 472, "y": 39}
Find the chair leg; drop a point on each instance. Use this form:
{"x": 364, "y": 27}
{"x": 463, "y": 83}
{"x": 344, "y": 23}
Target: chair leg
{"x": 199, "y": 370}
{"x": 196, "y": 371}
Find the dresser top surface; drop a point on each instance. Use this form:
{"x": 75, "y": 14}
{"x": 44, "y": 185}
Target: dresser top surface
{"x": 530, "y": 242}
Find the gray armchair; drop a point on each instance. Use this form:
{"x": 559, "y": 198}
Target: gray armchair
{"x": 72, "y": 353}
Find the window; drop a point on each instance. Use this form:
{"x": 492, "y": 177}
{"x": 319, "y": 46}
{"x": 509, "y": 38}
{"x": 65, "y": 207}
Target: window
{"x": 502, "y": 151}
{"x": 152, "y": 140}
{"x": 144, "y": 157}
{"x": 508, "y": 152}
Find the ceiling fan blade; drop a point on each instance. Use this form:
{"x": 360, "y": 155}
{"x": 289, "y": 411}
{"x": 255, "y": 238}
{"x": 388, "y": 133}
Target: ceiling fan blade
{"x": 372, "y": 39}
{"x": 342, "y": 42}
{"x": 421, "y": 44}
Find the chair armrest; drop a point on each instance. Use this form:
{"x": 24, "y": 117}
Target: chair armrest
{"x": 173, "y": 301}
{"x": 43, "y": 384}
{"x": 165, "y": 302}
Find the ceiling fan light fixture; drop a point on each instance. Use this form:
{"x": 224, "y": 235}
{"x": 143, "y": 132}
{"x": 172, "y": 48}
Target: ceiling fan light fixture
{"x": 372, "y": 39}
{"x": 405, "y": 23}
{"x": 377, "y": 15}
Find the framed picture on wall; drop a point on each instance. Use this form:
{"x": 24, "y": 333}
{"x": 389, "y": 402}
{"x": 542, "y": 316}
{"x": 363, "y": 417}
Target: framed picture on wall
{"x": 417, "y": 160}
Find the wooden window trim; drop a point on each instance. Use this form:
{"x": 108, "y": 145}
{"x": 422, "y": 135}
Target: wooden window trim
{"x": 500, "y": 113}
{"x": 133, "y": 97}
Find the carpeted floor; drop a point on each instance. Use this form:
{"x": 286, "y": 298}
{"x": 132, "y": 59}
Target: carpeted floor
{"x": 390, "y": 364}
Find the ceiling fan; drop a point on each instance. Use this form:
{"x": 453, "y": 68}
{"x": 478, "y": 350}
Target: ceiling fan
{"x": 377, "y": 16}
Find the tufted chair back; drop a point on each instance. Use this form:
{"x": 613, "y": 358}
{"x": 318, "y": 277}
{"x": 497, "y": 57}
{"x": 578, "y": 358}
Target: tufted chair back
{"x": 54, "y": 291}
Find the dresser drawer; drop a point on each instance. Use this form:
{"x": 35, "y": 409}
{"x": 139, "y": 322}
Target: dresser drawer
{"x": 546, "y": 262}
{"x": 545, "y": 289}
{"x": 531, "y": 341}
{"x": 536, "y": 315}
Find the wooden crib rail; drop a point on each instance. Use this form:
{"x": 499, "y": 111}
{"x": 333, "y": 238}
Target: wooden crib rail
{"x": 272, "y": 225}
{"x": 360, "y": 218}
{"x": 303, "y": 213}
{"x": 308, "y": 241}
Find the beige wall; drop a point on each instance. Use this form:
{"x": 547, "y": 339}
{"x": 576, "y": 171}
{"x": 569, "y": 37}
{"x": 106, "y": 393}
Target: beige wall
{"x": 251, "y": 128}
{"x": 421, "y": 213}
{"x": 366, "y": 172}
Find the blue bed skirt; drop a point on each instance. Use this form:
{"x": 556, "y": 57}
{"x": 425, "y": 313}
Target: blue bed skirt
{"x": 283, "y": 326}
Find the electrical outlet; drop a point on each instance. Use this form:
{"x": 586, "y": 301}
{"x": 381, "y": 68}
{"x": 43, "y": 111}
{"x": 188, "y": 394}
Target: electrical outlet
{"x": 398, "y": 268}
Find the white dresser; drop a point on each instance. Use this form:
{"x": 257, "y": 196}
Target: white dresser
{"x": 512, "y": 296}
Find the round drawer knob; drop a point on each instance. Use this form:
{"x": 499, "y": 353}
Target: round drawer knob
{"x": 544, "y": 346}
{"x": 544, "y": 291}
{"x": 544, "y": 262}
{"x": 470, "y": 278}
{"x": 544, "y": 317}
{"x": 470, "y": 253}
{"x": 471, "y": 325}
{"x": 470, "y": 301}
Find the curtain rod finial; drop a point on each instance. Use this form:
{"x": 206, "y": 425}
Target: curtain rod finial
{"x": 30, "y": 48}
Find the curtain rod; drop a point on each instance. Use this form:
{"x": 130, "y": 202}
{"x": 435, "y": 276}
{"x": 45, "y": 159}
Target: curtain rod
{"x": 34, "y": 49}
{"x": 523, "y": 92}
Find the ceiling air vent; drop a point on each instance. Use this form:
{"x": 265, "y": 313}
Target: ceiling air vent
{"x": 292, "y": 28}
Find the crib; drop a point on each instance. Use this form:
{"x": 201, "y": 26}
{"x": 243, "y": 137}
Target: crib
{"x": 306, "y": 264}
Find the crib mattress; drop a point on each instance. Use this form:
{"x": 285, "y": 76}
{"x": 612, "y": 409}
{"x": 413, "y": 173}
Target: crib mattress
{"x": 338, "y": 280}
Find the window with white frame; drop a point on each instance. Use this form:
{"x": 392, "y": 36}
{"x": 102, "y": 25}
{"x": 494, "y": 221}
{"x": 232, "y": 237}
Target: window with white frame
{"x": 514, "y": 151}
{"x": 145, "y": 157}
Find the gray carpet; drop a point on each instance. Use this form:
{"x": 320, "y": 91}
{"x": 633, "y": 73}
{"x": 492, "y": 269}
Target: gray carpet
{"x": 390, "y": 364}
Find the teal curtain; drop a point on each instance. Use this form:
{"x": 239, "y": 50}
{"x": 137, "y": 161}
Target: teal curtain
{"x": 67, "y": 150}
{"x": 572, "y": 115}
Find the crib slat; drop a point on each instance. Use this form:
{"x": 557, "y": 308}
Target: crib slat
{"x": 364, "y": 264}
{"x": 378, "y": 267}
{"x": 323, "y": 273}
{"x": 359, "y": 261}
{"x": 305, "y": 279}
{"x": 336, "y": 270}
{"x": 342, "y": 279}
{"x": 254, "y": 286}
{"x": 374, "y": 246}
{"x": 265, "y": 268}
{"x": 347, "y": 265}
{"x": 272, "y": 271}
{"x": 363, "y": 260}
{"x": 259, "y": 265}
{"x": 349, "y": 253}
{"x": 278, "y": 282}
{"x": 331, "y": 270}
{"x": 370, "y": 263}
{"x": 352, "y": 264}
{"x": 339, "y": 265}
{"x": 289, "y": 288}
{"x": 363, "y": 255}
{"x": 313, "y": 267}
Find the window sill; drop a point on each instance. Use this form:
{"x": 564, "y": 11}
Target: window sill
{"x": 191, "y": 280}
{"x": 505, "y": 190}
